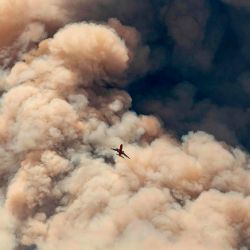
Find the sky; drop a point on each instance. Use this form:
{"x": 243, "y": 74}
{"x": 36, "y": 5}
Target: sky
{"x": 168, "y": 79}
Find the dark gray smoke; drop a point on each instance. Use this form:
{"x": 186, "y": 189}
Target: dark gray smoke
{"x": 68, "y": 71}
{"x": 207, "y": 45}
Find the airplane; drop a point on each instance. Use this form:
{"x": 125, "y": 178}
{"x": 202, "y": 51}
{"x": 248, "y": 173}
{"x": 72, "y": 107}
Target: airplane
{"x": 120, "y": 151}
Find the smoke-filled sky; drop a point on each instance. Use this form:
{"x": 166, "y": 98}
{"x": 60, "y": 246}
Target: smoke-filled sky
{"x": 168, "y": 79}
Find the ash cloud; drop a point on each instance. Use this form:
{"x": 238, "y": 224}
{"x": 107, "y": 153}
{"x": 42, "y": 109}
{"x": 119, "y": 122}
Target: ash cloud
{"x": 65, "y": 76}
{"x": 181, "y": 110}
{"x": 207, "y": 46}
{"x": 240, "y": 3}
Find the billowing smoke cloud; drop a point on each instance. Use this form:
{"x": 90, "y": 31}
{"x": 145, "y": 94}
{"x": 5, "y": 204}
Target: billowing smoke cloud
{"x": 64, "y": 105}
{"x": 25, "y": 23}
{"x": 182, "y": 112}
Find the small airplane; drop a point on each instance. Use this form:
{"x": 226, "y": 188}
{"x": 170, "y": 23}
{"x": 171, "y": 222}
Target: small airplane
{"x": 120, "y": 151}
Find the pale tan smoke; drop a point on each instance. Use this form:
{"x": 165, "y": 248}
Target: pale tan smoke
{"x": 63, "y": 188}
{"x": 138, "y": 53}
{"x": 25, "y": 22}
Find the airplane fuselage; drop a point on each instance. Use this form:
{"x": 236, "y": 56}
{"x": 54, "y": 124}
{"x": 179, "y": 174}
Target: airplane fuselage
{"x": 120, "y": 152}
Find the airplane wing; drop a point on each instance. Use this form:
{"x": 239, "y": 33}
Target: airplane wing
{"x": 115, "y": 149}
{"x": 125, "y": 155}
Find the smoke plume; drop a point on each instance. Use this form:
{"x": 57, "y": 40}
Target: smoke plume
{"x": 64, "y": 105}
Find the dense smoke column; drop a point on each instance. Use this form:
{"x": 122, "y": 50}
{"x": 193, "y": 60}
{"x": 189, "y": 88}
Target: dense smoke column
{"x": 64, "y": 105}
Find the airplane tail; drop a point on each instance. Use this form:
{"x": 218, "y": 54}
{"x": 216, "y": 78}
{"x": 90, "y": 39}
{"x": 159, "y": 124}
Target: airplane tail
{"x": 120, "y": 155}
